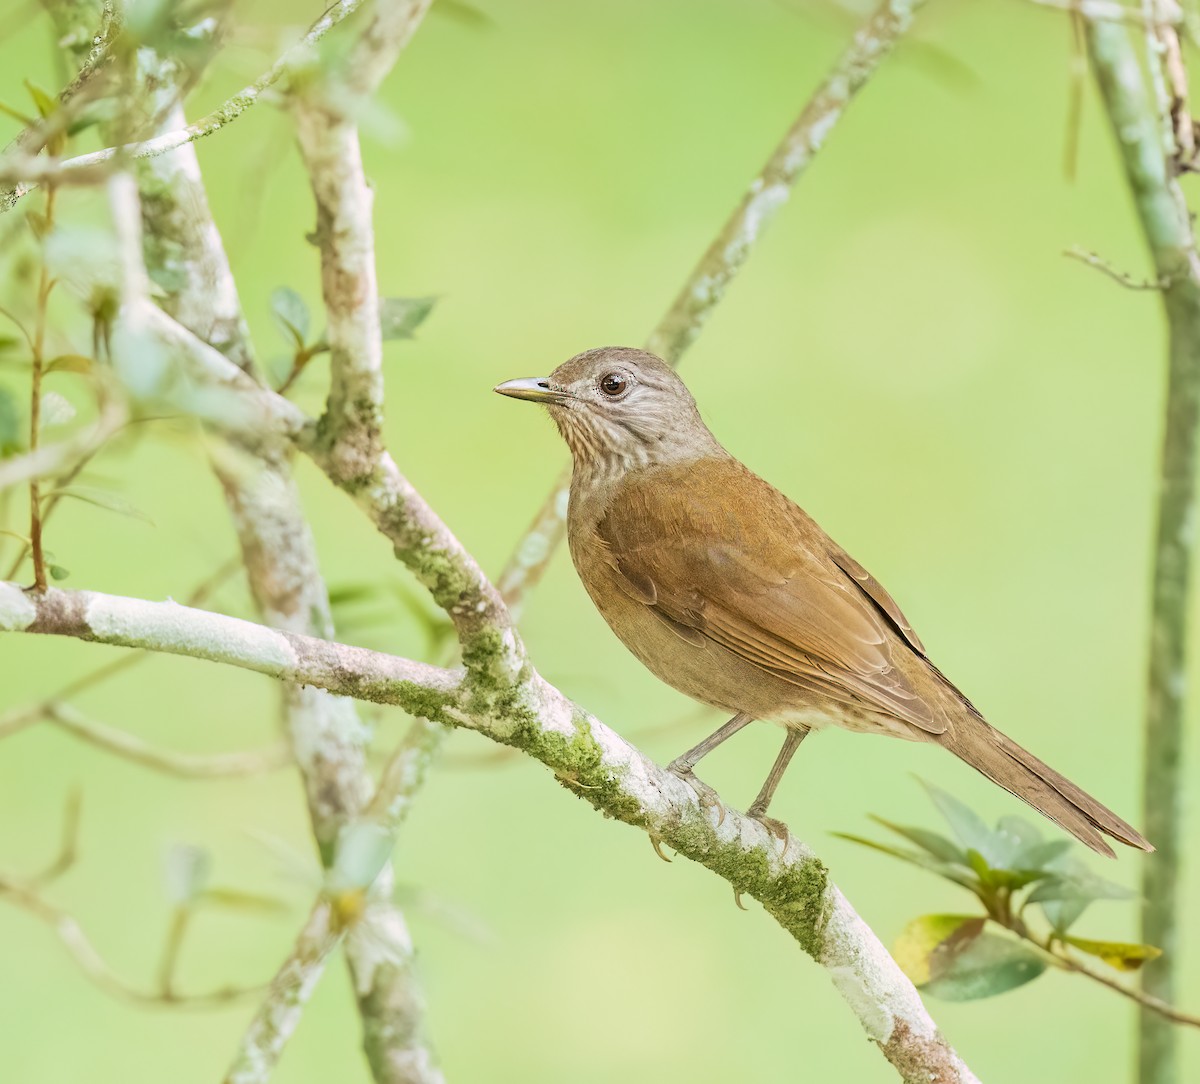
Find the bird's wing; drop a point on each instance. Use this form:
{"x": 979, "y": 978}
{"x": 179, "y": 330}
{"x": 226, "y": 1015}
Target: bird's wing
{"x": 721, "y": 556}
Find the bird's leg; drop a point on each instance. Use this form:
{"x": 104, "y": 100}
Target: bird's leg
{"x": 683, "y": 766}
{"x": 758, "y": 808}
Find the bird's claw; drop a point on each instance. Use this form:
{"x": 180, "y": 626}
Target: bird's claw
{"x": 709, "y": 799}
{"x": 777, "y": 828}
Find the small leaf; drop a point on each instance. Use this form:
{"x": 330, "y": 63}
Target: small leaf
{"x": 399, "y": 317}
{"x": 1119, "y": 954}
{"x": 185, "y": 872}
{"x": 970, "y": 828}
{"x": 8, "y": 111}
{"x": 913, "y": 949}
{"x": 44, "y": 103}
{"x": 57, "y": 572}
{"x": 346, "y": 593}
{"x": 937, "y": 845}
{"x": 102, "y": 498}
{"x": 916, "y": 858}
{"x": 291, "y": 314}
{"x": 56, "y": 410}
{"x": 7, "y": 342}
{"x": 70, "y": 363}
{"x": 985, "y": 966}
{"x": 10, "y": 424}
{"x": 236, "y": 900}
{"x": 955, "y": 958}
{"x": 1041, "y": 855}
{"x": 1070, "y": 889}
{"x": 363, "y": 849}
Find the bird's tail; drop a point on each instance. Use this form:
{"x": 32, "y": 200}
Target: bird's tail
{"x": 1019, "y": 772}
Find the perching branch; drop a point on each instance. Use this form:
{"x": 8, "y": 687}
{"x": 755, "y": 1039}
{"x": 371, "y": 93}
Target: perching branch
{"x": 709, "y": 279}
{"x": 1148, "y": 155}
{"x": 522, "y": 710}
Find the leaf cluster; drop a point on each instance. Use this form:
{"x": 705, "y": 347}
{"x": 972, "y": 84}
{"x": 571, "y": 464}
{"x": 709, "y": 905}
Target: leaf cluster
{"x": 1009, "y": 869}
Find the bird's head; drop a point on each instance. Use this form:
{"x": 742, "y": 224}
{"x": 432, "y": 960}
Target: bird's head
{"x": 619, "y": 408}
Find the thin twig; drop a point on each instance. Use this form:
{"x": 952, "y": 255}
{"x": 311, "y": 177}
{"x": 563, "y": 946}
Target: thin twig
{"x": 185, "y": 765}
{"x": 1092, "y": 259}
{"x": 93, "y": 965}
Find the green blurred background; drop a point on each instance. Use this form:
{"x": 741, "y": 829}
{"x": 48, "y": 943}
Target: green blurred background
{"x": 908, "y": 354}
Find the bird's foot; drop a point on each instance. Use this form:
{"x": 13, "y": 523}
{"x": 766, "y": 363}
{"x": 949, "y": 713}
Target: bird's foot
{"x": 777, "y": 828}
{"x": 709, "y": 799}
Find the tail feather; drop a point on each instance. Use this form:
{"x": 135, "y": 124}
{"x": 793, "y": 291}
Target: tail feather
{"x": 1020, "y": 773}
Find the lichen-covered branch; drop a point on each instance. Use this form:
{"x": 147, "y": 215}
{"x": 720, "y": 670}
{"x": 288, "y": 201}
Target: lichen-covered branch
{"x": 290, "y": 990}
{"x": 587, "y": 757}
{"x": 325, "y": 733}
{"x": 327, "y": 132}
{"x": 709, "y": 279}
{"x": 1145, "y": 144}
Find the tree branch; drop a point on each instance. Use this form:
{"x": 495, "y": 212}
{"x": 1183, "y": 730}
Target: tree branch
{"x": 326, "y": 735}
{"x": 125, "y": 745}
{"x": 709, "y": 279}
{"x": 328, "y": 138}
{"x": 587, "y": 757}
{"x": 290, "y": 990}
{"x": 1146, "y": 146}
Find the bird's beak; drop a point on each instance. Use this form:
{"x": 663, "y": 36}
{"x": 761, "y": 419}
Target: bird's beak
{"x": 534, "y": 388}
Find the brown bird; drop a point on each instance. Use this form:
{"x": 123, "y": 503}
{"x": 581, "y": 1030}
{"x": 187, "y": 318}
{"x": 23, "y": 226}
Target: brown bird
{"x": 728, "y": 591}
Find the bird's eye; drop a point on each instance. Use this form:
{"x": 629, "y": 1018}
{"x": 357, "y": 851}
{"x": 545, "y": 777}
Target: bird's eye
{"x": 613, "y": 384}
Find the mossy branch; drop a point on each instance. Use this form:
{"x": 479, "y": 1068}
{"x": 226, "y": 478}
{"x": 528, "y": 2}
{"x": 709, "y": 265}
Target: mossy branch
{"x": 588, "y": 759}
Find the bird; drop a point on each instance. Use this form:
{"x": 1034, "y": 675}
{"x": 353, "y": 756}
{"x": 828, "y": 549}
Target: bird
{"x": 729, "y": 592}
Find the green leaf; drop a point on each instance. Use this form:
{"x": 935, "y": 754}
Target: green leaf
{"x": 1070, "y": 889}
{"x": 57, "y": 572}
{"x": 937, "y": 845}
{"x": 1042, "y": 855}
{"x": 44, "y": 103}
{"x": 102, "y": 498}
{"x": 70, "y": 363}
{"x": 914, "y": 948}
{"x": 399, "y": 317}
{"x": 916, "y": 858}
{"x": 970, "y": 828}
{"x": 185, "y": 872}
{"x": 347, "y": 593}
{"x": 954, "y": 957}
{"x": 982, "y": 967}
{"x": 8, "y": 111}
{"x": 7, "y": 342}
{"x": 10, "y": 424}
{"x": 363, "y": 849}
{"x": 291, "y": 314}
{"x": 1119, "y": 954}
